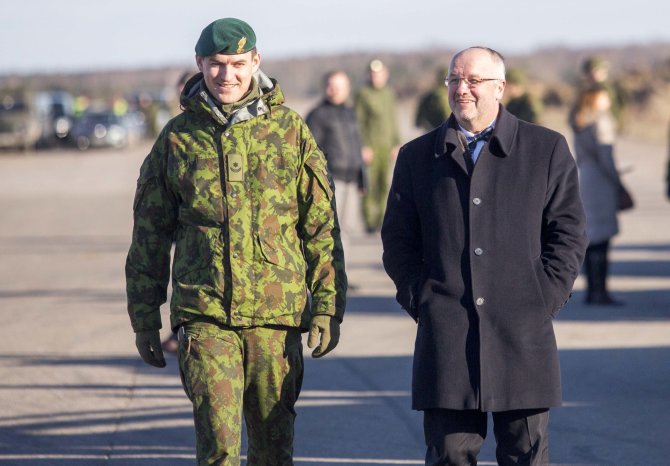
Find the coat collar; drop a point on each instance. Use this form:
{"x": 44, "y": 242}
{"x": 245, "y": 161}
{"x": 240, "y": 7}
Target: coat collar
{"x": 448, "y": 141}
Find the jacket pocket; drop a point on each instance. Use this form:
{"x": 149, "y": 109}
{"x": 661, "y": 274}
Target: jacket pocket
{"x": 197, "y": 268}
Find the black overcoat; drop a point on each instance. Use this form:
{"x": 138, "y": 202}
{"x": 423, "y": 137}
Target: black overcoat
{"x": 484, "y": 258}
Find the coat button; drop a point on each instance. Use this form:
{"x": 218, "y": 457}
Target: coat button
{"x": 233, "y": 195}
{"x": 479, "y": 301}
{"x": 476, "y": 201}
{"x": 227, "y": 134}
{"x": 236, "y": 255}
{"x": 479, "y": 251}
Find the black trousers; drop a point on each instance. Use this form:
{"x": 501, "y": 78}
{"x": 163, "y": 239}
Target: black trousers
{"x": 455, "y": 437}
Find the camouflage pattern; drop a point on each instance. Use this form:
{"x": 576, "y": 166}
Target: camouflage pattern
{"x": 249, "y": 204}
{"x": 376, "y": 114}
{"x": 226, "y": 373}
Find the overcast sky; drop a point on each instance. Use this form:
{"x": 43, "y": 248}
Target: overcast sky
{"x": 80, "y": 35}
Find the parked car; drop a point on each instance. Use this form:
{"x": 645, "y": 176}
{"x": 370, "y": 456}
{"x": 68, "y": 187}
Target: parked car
{"x": 55, "y": 110}
{"x": 99, "y": 129}
{"x": 19, "y": 126}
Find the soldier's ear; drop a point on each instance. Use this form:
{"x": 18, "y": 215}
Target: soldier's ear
{"x": 256, "y": 61}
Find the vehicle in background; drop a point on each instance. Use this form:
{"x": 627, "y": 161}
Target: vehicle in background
{"x": 19, "y": 125}
{"x": 100, "y": 129}
{"x": 55, "y": 110}
{"x": 136, "y": 125}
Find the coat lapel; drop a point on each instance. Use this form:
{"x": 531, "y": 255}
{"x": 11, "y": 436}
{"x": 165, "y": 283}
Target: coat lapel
{"x": 448, "y": 144}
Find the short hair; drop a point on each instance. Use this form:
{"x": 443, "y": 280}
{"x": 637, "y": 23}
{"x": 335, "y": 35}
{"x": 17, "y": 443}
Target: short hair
{"x": 496, "y": 57}
{"x": 331, "y": 73}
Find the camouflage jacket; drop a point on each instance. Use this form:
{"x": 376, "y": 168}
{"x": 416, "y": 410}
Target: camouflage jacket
{"x": 249, "y": 205}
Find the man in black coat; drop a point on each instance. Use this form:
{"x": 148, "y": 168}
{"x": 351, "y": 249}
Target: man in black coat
{"x": 335, "y": 128}
{"x": 483, "y": 236}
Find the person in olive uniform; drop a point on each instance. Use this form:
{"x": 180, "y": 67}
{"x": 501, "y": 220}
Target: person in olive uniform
{"x": 376, "y": 111}
{"x": 433, "y": 108}
{"x": 520, "y": 102}
{"x": 239, "y": 184}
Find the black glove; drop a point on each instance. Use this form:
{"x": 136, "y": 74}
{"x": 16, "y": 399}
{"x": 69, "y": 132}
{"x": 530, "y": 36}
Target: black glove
{"x": 148, "y": 344}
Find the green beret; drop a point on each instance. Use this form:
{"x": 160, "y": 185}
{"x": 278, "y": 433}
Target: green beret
{"x": 229, "y": 36}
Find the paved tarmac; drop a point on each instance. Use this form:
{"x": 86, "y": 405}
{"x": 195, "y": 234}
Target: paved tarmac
{"x": 74, "y": 392}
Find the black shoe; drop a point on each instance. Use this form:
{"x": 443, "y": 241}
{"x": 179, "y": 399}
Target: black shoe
{"x": 602, "y": 299}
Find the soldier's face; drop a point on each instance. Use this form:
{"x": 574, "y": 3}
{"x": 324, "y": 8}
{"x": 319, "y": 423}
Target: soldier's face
{"x": 475, "y": 106}
{"x": 378, "y": 79}
{"x": 228, "y": 77}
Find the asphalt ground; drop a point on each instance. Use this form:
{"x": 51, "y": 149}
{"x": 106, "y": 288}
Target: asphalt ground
{"x": 74, "y": 392}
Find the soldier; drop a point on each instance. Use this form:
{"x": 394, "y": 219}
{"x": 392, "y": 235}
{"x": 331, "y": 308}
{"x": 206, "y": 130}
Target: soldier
{"x": 239, "y": 183}
{"x": 520, "y": 102}
{"x": 375, "y": 109}
{"x": 433, "y": 109}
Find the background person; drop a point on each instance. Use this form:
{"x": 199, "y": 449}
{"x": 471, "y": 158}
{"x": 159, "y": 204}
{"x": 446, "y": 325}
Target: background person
{"x": 667, "y": 170}
{"x": 520, "y": 102}
{"x": 594, "y": 133}
{"x": 375, "y": 105}
{"x": 240, "y": 184}
{"x": 334, "y": 126}
{"x": 433, "y": 108}
{"x": 484, "y": 235}
{"x": 596, "y": 73}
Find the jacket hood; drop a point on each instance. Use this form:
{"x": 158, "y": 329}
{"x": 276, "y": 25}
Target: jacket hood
{"x": 195, "y": 98}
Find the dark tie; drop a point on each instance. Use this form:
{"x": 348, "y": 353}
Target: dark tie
{"x": 483, "y": 136}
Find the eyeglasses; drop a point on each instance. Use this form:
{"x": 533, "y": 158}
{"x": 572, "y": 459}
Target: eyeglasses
{"x": 470, "y": 82}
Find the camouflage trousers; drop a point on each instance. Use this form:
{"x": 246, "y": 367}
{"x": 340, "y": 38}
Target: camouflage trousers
{"x": 374, "y": 201}
{"x": 229, "y": 372}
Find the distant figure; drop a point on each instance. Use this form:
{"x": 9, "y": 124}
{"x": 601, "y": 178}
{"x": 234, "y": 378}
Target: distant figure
{"x": 520, "y": 102}
{"x": 376, "y": 111}
{"x": 433, "y": 108}
{"x": 175, "y": 106}
{"x": 484, "y": 235}
{"x": 334, "y": 126}
{"x": 594, "y": 133}
{"x": 595, "y": 72}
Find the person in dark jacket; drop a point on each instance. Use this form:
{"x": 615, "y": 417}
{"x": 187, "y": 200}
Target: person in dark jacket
{"x": 594, "y": 129}
{"x": 483, "y": 236}
{"x": 334, "y": 126}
